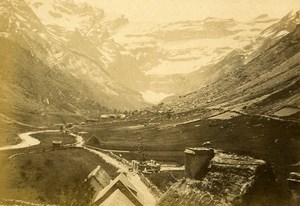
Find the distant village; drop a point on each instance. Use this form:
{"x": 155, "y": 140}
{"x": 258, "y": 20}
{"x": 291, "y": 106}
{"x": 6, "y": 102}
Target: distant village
{"x": 104, "y": 117}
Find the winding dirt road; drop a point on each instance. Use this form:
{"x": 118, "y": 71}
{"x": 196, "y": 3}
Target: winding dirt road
{"x": 28, "y": 141}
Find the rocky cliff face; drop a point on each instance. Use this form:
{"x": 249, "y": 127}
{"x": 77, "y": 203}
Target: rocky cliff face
{"x": 77, "y": 74}
{"x": 87, "y": 30}
{"x": 29, "y": 86}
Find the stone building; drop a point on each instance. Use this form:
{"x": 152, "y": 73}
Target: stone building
{"x": 197, "y": 161}
{"x": 119, "y": 192}
{"x": 145, "y": 166}
{"x": 214, "y": 177}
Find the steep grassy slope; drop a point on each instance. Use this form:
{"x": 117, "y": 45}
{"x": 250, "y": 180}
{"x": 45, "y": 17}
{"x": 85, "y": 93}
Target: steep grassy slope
{"x": 54, "y": 177}
{"x": 29, "y": 86}
{"x": 32, "y": 94}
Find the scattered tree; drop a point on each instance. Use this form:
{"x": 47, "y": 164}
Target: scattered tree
{"x": 141, "y": 156}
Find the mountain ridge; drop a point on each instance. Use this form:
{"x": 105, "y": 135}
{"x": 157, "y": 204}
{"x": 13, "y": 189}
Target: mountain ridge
{"x": 31, "y": 34}
{"x": 192, "y": 49}
{"x": 261, "y": 82}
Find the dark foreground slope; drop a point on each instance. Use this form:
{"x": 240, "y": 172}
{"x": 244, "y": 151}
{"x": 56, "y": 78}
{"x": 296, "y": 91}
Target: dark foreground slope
{"x": 42, "y": 174}
{"x": 54, "y": 177}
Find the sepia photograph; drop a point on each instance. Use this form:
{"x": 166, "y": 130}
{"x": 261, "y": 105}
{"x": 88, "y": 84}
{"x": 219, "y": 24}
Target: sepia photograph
{"x": 149, "y": 102}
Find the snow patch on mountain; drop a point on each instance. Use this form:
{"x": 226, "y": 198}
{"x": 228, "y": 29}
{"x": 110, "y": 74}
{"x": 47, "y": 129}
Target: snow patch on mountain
{"x": 154, "y": 97}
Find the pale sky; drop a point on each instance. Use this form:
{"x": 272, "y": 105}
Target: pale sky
{"x": 174, "y": 10}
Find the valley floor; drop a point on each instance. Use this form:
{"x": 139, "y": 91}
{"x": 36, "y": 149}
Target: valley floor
{"x": 32, "y": 169}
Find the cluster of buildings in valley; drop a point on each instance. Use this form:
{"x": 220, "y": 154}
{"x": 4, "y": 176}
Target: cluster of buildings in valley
{"x": 104, "y": 117}
{"x": 65, "y": 128}
{"x": 149, "y": 166}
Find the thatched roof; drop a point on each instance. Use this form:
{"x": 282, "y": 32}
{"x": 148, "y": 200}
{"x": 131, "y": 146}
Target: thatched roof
{"x": 228, "y": 179}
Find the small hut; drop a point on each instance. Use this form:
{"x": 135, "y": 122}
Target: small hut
{"x": 56, "y": 144}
